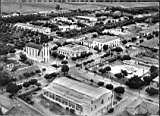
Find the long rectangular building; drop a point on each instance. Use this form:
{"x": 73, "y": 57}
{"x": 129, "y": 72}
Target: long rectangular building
{"x": 83, "y": 99}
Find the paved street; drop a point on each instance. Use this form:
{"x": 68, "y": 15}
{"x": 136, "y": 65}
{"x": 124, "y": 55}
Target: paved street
{"x": 86, "y": 76}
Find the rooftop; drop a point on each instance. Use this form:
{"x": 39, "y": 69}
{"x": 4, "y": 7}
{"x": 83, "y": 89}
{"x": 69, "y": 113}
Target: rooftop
{"x": 78, "y": 91}
{"x": 33, "y": 45}
{"x": 75, "y": 48}
{"x": 106, "y": 38}
{"x": 156, "y": 79}
{"x": 152, "y": 43}
{"x": 141, "y": 106}
{"x": 30, "y": 25}
{"x": 87, "y": 17}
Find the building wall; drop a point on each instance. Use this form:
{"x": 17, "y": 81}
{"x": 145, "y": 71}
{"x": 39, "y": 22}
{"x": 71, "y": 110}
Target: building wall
{"x": 112, "y": 43}
{"x": 95, "y": 108}
{"x": 65, "y": 102}
{"x": 70, "y": 53}
{"x": 36, "y": 28}
{"x": 40, "y": 56}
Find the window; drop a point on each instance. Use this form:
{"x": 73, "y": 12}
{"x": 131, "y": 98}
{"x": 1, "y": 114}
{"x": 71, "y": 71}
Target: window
{"x": 91, "y": 102}
{"x": 64, "y": 101}
{"x": 78, "y": 107}
{"x": 52, "y": 96}
{"x": 95, "y": 106}
{"x": 102, "y": 102}
{"x": 71, "y": 104}
{"x": 58, "y": 98}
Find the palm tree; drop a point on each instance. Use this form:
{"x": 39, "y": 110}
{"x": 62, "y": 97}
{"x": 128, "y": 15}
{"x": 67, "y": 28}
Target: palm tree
{"x": 108, "y": 69}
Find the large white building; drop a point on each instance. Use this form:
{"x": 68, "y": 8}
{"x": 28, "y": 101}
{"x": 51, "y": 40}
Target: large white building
{"x": 100, "y": 41}
{"x": 64, "y": 28}
{"x": 83, "y": 99}
{"x": 116, "y": 31}
{"x": 40, "y": 29}
{"x": 39, "y": 53}
{"x": 72, "y": 50}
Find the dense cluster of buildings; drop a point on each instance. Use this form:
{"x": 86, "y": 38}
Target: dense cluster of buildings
{"x": 40, "y": 29}
{"x": 43, "y": 1}
{"x": 81, "y": 98}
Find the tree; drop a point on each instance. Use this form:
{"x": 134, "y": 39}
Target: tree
{"x": 57, "y": 7}
{"x": 96, "y": 48}
{"x": 153, "y": 69}
{"x": 47, "y": 77}
{"x": 26, "y": 84}
{"x": 64, "y": 62}
{"x": 140, "y": 41}
{"x": 33, "y": 81}
{"x": 105, "y": 47}
{"x": 91, "y": 80}
{"x": 109, "y": 86}
{"x": 126, "y": 57}
{"x": 12, "y": 51}
{"x": 23, "y": 57}
{"x": 108, "y": 69}
{"x": 147, "y": 79}
{"x": 133, "y": 39}
{"x": 100, "y": 83}
{"x": 119, "y": 90}
{"x": 102, "y": 70}
{"x": 5, "y": 78}
{"x": 12, "y": 88}
{"x": 74, "y": 58}
{"x": 124, "y": 42}
{"x": 54, "y": 54}
{"x": 135, "y": 82}
{"x": 65, "y": 69}
{"x": 38, "y": 71}
{"x": 53, "y": 75}
{"x": 61, "y": 57}
{"x": 119, "y": 75}
{"x": 152, "y": 91}
{"x": 124, "y": 72}
{"x": 118, "y": 49}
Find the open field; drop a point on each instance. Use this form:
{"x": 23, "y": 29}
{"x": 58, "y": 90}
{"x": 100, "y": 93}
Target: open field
{"x": 32, "y": 7}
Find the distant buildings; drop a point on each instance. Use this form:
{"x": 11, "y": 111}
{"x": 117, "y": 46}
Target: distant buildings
{"x": 81, "y": 1}
{"x": 100, "y": 41}
{"x": 40, "y": 29}
{"x": 72, "y": 50}
{"x": 141, "y": 107}
{"x": 116, "y": 31}
{"x": 39, "y": 53}
{"x": 83, "y": 99}
{"x": 87, "y": 18}
{"x": 64, "y": 28}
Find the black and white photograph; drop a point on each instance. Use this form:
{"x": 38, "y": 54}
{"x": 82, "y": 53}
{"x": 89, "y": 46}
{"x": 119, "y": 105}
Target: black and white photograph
{"x": 79, "y": 57}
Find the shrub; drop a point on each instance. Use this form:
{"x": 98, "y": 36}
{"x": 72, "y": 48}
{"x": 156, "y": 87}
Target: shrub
{"x": 100, "y": 83}
{"x": 109, "y": 86}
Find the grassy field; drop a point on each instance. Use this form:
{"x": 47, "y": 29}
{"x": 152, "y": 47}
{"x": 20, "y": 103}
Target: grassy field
{"x": 32, "y": 7}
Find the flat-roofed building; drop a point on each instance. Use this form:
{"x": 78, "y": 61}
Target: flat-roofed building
{"x": 83, "y": 99}
{"x": 87, "y": 18}
{"x": 40, "y": 29}
{"x": 111, "y": 41}
{"x": 37, "y": 52}
{"x": 72, "y": 50}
